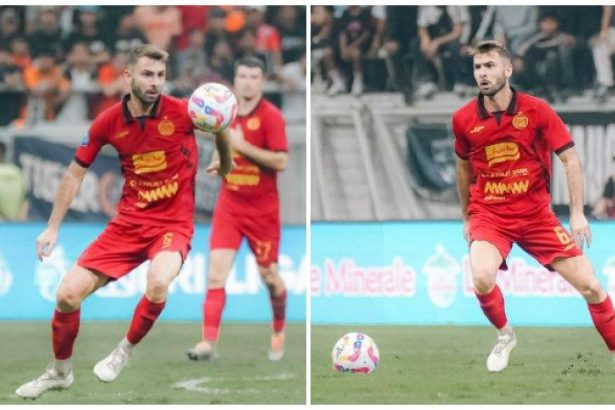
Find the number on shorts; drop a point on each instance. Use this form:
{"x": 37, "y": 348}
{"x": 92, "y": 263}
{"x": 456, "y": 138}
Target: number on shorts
{"x": 562, "y": 235}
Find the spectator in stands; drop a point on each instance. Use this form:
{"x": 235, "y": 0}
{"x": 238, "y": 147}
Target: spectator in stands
{"x": 47, "y": 38}
{"x": 513, "y": 25}
{"x": 221, "y": 63}
{"x": 479, "y": 28}
{"x": 12, "y": 96}
{"x": 20, "y": 53}
{"x": 82, "y": 74}
{"x": 440, "y": 29}
{"x": 194, "y": 65}
{"x": 193, "y": 18}
{"x": 605, "y": 205}
{"x": 356, "y": 30}
{"x": 9, "y": 27}
{"x": 293, "y": 86}
{"x": 267, "y": 39}
{"x": 322, "y": 49}
{"x": 111, "y": 82}
{"x": 87, "y": 31}
{"x": 127, "y": 36}
{"x": 603, "y": 47}
{"x": 245, "y": 45}
{"x": 290, "y": 23}
{"x": 216, "y": 30}
{"x": 547, "y": 60}
{"x": 12, "y": 191}
{"x": 400, "y": 32}
{"x": 47, "y": 87}
{"x": 160, "y": 24}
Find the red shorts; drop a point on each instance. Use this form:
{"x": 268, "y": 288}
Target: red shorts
{"x": 120, "y": 248}
{"x": 542, "y": 236}
{"x": 263, "y": 234}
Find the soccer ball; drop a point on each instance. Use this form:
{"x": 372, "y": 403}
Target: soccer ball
{"x": 356, "y": 353}
{"x": 212, "y": 107}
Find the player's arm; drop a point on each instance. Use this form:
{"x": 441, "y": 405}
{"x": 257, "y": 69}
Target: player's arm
{"x": 464, "y": 174}
{"x": 574, "y": 176}
{"x": 71, "y": 181}
{"x": 276, "y": 160}
{"x": 221, "y": 160}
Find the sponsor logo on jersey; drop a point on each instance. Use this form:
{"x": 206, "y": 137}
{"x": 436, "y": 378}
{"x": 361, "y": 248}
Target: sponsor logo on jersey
{"x": 165, "y": 191}
{"x": 166, "y": 128}
{"x": 253, "y": 123}
{"x": 501, "y": 152}
{"x": 476, "y": 129}
{"x": 149, "y": 162}
{"x": 501, "y": 188}
{"x": 520, "y": 121}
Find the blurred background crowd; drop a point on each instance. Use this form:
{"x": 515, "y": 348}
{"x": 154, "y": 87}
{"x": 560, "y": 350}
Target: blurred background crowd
{"x": 558, "y": 51}
{"x": 65, "y": 63}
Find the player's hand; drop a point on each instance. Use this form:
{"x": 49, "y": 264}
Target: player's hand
{"x": 216, "y": 168}
{"x": 466, "y": 231}
{"x": 581, "y": 232}
{"x": 45, "y": 242}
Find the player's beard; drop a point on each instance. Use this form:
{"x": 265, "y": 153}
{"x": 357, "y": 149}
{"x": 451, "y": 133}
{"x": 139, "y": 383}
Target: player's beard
{"x": 497, "y": 87}
{"x": 145, "y": 99}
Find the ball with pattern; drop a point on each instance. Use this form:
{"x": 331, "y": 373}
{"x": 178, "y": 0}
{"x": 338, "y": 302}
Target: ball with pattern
{"x": 355, "y": 353}
{"x": 212, "y": 107}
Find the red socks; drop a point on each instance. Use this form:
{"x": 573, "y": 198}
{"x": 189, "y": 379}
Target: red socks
{"x": 64, "y": 330}
{"x": 492, "y": 305}
{"x": 603, "y": 316}
{"x": 143, "y": 319}
{"x": 278, "y": 305}
{"x": 212, "y": 313}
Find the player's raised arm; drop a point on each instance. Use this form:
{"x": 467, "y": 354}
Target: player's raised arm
{"x": 222, "y": 154}
{"x": 64, "y": 197}
{"x": 574, "y": 176}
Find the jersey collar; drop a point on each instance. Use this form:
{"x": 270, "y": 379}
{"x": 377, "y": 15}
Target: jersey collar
{"x": 512, "y": 108}
{"x": 128, "y": 118}
{"x": 258, "y": 104}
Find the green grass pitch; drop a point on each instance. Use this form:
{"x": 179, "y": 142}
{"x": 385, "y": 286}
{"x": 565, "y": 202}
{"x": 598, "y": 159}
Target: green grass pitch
{"x": 159, "y": 372}
{"x": 446, "y": 365}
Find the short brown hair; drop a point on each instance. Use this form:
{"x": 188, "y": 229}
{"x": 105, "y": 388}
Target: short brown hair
{"x": 146, "y": 50}
{"x": 490, "y": 45}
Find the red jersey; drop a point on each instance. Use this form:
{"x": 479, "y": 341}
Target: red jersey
{"x": 158, "y": 156}
{"x": 510, "y": 157}
{"x": 251, "y": 189}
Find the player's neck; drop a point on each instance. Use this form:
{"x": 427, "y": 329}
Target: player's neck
{"x": 138, "y": 108}
{"x": 247, "y": 106}
{"x": 500, "y": 101}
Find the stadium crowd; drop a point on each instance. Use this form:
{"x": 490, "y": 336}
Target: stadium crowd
{"x": 65, "y": 63}
{"x": 558, "y": 51}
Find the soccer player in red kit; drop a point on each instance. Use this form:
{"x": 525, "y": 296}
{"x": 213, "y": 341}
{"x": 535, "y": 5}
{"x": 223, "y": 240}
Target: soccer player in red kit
{"x": 155, "y": 140}
{"x": 248, "y": 207}
{"x": 503, "y": 141}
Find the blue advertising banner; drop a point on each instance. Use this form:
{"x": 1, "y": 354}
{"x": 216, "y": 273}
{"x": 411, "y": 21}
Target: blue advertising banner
{"x": 417, "y": 273}
{"x": 28, "y": 287}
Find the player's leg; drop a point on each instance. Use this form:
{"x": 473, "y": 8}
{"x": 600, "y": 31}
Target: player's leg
{"x": 74, "y": 288}
{"x": 579, "y": 272}
{"x": 165, "y": 266}
{"x": 277, "y": 296}
{"x": 220, "y": 264}
{"x": 485, "y": 260}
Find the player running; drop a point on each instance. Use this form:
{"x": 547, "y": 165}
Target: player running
{"x": 503, "y": 141}
{"x": 157, "y": 150}
{"x": 248, "y": 207}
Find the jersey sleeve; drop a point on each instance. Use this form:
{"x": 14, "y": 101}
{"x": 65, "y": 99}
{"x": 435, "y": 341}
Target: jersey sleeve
{"x": 554, "y": 131}
{"x": 91, "y": 144}
{"x": 462, "y": 145}
{"x": 276, "y": 132}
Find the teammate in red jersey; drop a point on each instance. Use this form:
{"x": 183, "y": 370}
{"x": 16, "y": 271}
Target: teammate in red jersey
{"x": 248, "y": 207}
{"x": 503, "y": 141}
{"x": 157, "y": 149}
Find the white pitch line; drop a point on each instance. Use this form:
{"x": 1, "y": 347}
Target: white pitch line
{"x": 197, "y": 384}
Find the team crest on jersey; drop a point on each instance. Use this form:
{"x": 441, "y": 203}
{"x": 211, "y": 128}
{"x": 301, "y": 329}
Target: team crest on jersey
{"x": 520, "y": 121}
{"x": 253, "y": 124}
{"x": 501, "y": 152}
{"x": 166, "y": 128}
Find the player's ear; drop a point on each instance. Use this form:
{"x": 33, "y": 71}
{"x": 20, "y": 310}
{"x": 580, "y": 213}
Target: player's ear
{"x": 508, "y": 69}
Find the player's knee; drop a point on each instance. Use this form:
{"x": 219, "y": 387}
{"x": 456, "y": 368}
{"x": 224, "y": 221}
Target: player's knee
{"x": 215, "y": 279}
{"x": 483, "y": 279}
{"x": 268, "y": 275}
{"x": 591, "y": 290}
{"x": 68, "y": 299}
{"x": 157, "y": 289}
